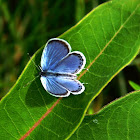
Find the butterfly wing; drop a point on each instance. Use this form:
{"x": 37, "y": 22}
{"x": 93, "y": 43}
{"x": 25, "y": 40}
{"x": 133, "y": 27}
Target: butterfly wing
{"x": 72, "y": 85}
{"x": 61, "y": 86}
{"x": 50, "y": 84}
{"x": 73, "y": 63}
{"x": 54, "y": 51}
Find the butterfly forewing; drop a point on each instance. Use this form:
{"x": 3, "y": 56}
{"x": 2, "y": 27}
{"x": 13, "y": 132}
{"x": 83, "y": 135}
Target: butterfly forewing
{"x": 50, "y": 84}
{"x": 54, "y": 51}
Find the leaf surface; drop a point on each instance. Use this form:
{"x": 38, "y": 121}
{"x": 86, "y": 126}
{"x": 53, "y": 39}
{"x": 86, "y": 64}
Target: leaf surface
{"x": 109, "y": 38}
{"x": 117, "y": 121}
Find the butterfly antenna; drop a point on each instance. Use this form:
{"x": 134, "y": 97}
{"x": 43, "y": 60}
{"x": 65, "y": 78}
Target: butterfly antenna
{"x": 38, "y": 67}
{"x": 30, "y": 81}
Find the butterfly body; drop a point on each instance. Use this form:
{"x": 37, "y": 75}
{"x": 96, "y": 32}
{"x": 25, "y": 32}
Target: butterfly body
{"x": 47, "y": 74}
{"x": 59, "y": 67}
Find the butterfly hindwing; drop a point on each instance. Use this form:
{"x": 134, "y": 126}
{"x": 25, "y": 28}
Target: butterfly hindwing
{"x": 73, "y": 63}
{"x": 54, "y": 51}
{"x": 71, "y": 84}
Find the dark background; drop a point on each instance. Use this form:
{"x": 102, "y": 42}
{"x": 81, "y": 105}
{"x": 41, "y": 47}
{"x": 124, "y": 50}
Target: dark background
{"x": 26, "y": 25}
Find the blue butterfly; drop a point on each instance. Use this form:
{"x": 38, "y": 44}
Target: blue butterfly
{"x": 59, "y": 67}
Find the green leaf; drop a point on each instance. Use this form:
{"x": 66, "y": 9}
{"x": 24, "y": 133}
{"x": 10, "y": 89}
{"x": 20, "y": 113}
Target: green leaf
{"x": 134, "y": 85}
{"x": 109, "y": 38}
{"x": 117, "y": 121}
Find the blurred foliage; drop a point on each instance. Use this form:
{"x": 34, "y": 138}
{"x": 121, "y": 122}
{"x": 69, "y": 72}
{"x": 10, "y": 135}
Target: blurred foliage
{"x": 134, "y": 85}
{"x": 26, "y": 25}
